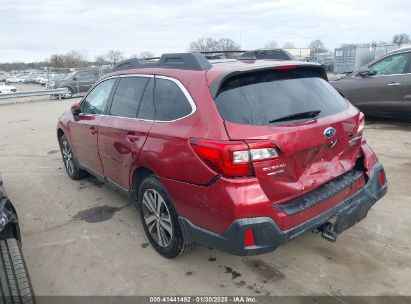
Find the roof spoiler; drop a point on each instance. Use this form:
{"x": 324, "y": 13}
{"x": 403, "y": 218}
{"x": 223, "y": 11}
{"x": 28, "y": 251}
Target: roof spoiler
{"x": 218, "y": 82}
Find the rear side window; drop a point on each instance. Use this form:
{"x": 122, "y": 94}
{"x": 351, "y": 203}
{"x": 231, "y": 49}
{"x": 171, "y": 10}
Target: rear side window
{"x": 259, "y": 98}
{"x": 170, "y": 101}
{"x": 128, "y": 95}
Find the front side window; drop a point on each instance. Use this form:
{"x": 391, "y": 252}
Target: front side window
{"x": 82, "y": 76}
{"x": 170, "y": 101}
{"x": 395, "y": 64}
{"x": 96, "y": 101}
{"x": 128, "y": 95}
{"x": 87, "y": 75}
{"x": 95, "y": 74}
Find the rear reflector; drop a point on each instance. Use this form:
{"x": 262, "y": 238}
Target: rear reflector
{"x": 382, "y": 178}
{"x": 249, "y": 238}
{"x": 233, "y": 158}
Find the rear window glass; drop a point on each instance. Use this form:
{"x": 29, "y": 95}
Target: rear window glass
{"x": 260, "y": 98}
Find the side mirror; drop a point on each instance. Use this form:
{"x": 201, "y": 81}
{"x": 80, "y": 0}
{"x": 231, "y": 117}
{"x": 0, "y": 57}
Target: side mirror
{"x": 365, "y": 72}
{"x": 75, "y": 77}
{"x": 75, "y": 110}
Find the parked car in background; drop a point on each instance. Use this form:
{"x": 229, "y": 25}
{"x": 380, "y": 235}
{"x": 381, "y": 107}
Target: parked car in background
{"x": 4, "y": 88}
{"x": 40, "y": 78}
{"x": 43, "y": 80}
{"x": 12, "y": 79}
{"x": 19, "y": 79}
{"x": 242, "y": 156}
{"x": 31, "y": 78}
{"x": 382, "y": 88}
{"x": 79, "y": 81}
{"x": 310, "y": 59}
{"x": 15, "y": 283}
{"x": 215, "y": 56}
{"x": 53, "y": 78}
{"x": 277, "y": 54}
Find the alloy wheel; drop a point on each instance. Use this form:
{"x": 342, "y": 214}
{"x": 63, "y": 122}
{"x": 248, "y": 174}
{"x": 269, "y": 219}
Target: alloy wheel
{"x": 68, "y": 157}
{"x": 157, "y": 217}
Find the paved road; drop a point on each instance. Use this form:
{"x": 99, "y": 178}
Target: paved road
{"x": 82, "y": 238}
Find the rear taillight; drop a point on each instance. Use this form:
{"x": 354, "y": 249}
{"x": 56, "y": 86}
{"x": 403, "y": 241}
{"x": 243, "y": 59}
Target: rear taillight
{"x": 361, "y": 123}
{"x": 262, "y": 150}
{"x": 233, "y": 158}
{"x": 358, "y": 134}
{"x": 361, "y": 126}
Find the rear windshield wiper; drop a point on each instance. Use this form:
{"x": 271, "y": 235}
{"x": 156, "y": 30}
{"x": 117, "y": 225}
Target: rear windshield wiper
{"x": 302, "y": 115}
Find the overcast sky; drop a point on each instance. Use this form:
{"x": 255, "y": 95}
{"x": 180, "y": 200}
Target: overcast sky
{"x": 32, "y": 30}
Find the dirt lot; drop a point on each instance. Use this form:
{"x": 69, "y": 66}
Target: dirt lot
{"x": 72, "y": 247}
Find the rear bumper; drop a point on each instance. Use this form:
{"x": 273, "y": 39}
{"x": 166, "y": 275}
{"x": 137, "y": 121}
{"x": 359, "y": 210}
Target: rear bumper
{"x": 267, "y": 234}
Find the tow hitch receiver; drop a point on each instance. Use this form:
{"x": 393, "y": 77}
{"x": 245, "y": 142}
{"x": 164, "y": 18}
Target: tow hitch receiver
{"x": 328, "y": 233}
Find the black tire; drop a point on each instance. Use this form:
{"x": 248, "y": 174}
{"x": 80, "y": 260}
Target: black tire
{"x": 176, "y": 244}
{"x": 69, "y": 94}
{"x": 14, "y": 278}
{"x": 70, "y": 161}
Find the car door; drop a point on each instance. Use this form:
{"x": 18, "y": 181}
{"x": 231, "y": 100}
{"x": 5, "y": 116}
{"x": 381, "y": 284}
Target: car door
{"x": 93, "y": 76}
{"x": 76, "y": 82}
{"x": 404, "y": 108}
{"x": 83, "y": 82}
{"x": 83, "y": 131}
{"x": 123, "y": 132}
{"x": 381, "y": 92}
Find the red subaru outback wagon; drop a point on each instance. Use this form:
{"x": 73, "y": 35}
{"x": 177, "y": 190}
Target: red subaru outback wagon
{"x": 242, "y": 156}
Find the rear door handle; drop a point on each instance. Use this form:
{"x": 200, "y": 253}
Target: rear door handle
{"x": 93, "y": 130}
{"x": 132, "y": 137}
{"x": 394, "y": 84}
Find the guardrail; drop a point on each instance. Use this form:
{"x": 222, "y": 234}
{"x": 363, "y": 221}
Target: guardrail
{"x": 55, "y": 92}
